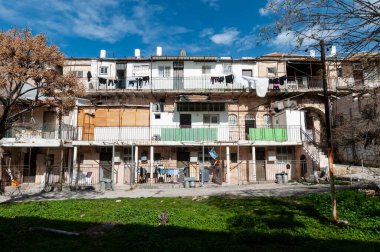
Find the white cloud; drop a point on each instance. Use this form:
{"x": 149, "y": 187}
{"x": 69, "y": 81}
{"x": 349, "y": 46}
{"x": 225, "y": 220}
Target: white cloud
{"x": 107, "y": 21}
{"x": 212, "y": 3}
{"x": 228, "y": 37}
{"x": 269, "y": 7}
{"x": 206, "y": 32}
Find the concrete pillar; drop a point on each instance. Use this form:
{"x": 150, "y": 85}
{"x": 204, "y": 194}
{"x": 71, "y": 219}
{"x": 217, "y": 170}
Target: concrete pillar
{"x": 75, "y": 155}
{"x": 228, "y": 175}
{"x": 253, "y": 176}
{"x": 136, "y": 158}
{"x": 151, "y": 162}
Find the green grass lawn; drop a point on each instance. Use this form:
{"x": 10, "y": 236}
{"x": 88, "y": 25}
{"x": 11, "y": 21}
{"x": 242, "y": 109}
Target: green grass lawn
{"x": 213, "y": 224}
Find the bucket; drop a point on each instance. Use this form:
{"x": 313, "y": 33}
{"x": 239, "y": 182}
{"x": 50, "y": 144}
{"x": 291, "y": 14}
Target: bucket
{"x": 279, "y": 178}
{"x": 192, "y": 184}
{"x": 186, "y": 184}
{"x": 285, "y": 178}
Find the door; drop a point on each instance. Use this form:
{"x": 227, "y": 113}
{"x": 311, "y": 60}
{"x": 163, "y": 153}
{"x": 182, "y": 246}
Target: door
{"x": 185, "y": 120}
{"x": 48, "y": 125}
{"x": 260, "y": 164}
{"x": 183, "y": 160}
{"x": 105, "y": 163}
{"x": 303, "y": 166}
{"x": 29, "y": 171}
{"x": 250, "y": 122}
{"x": 178, "y": 75}
{"x": 88, "y": 127}
{"x": 120, "y": 74}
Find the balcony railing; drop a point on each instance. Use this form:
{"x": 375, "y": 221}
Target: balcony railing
{"x": 204, "y": 83}
{"x": 19, "y": 132}
{"x": 194, "y": 134}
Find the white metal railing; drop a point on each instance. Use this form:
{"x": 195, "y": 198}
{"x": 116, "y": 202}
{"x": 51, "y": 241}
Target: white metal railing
{"x": 68, "y": 132}
{"x": 194, "y": 134}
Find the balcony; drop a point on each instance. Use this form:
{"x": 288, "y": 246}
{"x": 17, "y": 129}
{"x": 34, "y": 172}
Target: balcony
{"x": 196, "y": 83}
{"x": 22, "y": 132}
{"x": 157, "y": 134}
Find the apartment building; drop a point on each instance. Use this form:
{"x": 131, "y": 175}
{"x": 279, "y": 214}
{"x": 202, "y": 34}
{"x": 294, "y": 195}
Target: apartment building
{"x": 163, "y": 119}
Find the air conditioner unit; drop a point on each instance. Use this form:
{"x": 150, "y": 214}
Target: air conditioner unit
{"x": 193, "y": 157}
{"x": 89, "y": 111}
{"x": 116, "y": 158}
{"x": 271, "y": 155}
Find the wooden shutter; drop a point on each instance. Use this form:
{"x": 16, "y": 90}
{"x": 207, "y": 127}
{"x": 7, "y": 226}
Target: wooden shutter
{"x": 142, "y": 117}
{"x": 101, "y": 116}
{"x": 113, "y": 117}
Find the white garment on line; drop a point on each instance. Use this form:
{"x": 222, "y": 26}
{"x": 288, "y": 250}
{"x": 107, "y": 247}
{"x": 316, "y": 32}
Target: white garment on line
{"x": 260, "y": 84}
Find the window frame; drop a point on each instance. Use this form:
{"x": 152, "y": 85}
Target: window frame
{"x": 164, "y": 71}
{"x": 101, "y": 70}
{"x": 210, "y": 117}
{"x": 272, "y": 73}
{"x": 206, "y": 70}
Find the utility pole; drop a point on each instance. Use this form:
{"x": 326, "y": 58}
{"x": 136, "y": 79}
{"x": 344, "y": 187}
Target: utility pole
{"x": 328, "y": 133}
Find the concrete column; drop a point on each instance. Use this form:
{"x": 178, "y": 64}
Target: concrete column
{"x": 228, "y": 175}
{"x": 137, "y": 166}
{"x": 151, "y": 161}
{"x": 75, "y": 155}
{"x": 253, "y": 176}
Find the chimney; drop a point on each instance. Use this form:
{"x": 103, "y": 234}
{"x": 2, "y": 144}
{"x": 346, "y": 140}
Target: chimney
{"x": 103, "y": 54}
{"x": 333, "y": 51}
{"x": 312, "y": 53}
{"x": 159, "y": 51}
{"x": 137, "y": 53}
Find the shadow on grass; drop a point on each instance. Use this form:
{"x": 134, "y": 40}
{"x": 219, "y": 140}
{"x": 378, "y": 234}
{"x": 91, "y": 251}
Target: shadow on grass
{"x": 268, "y": 213}
{"x": 15, "y": 236}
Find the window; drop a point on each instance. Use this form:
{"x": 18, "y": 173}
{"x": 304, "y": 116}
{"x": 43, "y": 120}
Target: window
{"x": 78, "y": 74}
{"x": 247, "y": 72}
{"x": 284, "y": 154}
{"x": 103, "y": 70}
{"x": 232, "y": 119}
{"x": 267, "y": 120}
{"x": 227, "y": 68}
{"x": 164, "y": 71}
{"x": 340, "y": 72}
{"x": 271, "y": 71}
{"x": 200, "y": 106}
{"x": 207, "y": 156}
{"x": 211, "y": 119}
{"x": 233, "y": 157}
{"x": 157, "y": 116}
{"x": 141, "y": 70}
{"x": 206, "y": 69}
{"x": 157, "y": 156}
{"x": 127, "y": 154}
{"x": 358, "y": 66}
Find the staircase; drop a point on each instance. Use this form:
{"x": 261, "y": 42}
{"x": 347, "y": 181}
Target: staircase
{"x": 314, "y": 151}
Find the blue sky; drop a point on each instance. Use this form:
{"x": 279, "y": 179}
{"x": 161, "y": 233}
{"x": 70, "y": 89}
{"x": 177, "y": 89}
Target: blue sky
{"x": 202, "y": 27}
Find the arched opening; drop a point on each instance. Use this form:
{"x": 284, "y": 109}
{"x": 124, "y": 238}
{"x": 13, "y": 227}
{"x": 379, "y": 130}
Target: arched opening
{"x": 315, "y": 124}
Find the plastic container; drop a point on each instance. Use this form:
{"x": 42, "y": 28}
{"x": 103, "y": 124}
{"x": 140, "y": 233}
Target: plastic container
{"x": 279, "y": 178}
{"x": 285, "y": 178}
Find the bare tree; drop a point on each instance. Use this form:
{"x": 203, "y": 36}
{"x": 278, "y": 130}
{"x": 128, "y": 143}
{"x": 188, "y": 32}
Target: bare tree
{"x": 31, "y": 77}
{"x": 352, "y": 25}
